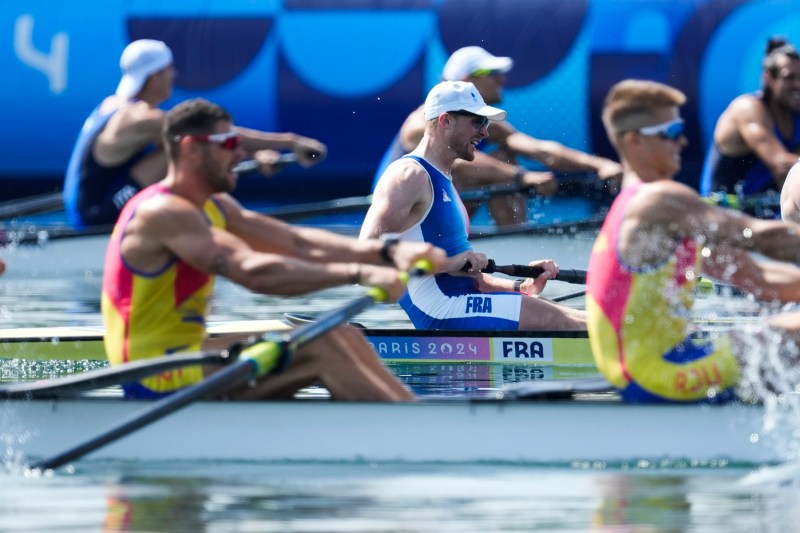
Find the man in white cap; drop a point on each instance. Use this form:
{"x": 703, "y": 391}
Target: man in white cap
{"x": 415, "y": 199}
{"x": 497, "y": 163}
{"x": 118, "y": 151}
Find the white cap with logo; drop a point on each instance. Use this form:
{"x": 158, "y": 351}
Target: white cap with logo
{"x": 139, "y": 61}
{"x": 459, "y": 96}
{"x": 465, "y": 61}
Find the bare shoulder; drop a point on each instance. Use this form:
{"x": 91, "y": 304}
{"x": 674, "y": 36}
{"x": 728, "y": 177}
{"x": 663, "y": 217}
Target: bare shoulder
{"x": 161, "y": 214}
{"x": 664, "y": 200}
{"x": 746, "y": 106}
{"x": 401, "y": 174}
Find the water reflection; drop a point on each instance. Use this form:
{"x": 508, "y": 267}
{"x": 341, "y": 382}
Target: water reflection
{"x": 195, "y": 497}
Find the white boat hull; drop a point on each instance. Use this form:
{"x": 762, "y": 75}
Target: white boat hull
{"x": 449, "y": 431}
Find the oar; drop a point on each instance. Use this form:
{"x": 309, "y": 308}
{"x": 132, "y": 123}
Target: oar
{"x": 512, "y": 187}
{"x": 271, "y": 352}
{"x": 54, "y": 201}
{"x": 362, "y": 203}
{"x": 33, "y": 205}
{"x": 106, "y": 377}
{"x": 569, "y": 296}
{"x": 524, "y": 271}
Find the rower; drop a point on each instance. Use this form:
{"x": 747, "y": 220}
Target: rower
{"x": 416, "y": 198}
{"x": 118, "y": 151}
{"x": 173, "y": 237}
{"x": 657, "y": 240}
{"x": 757, "y": 138}
{"x": 499, "y": 159}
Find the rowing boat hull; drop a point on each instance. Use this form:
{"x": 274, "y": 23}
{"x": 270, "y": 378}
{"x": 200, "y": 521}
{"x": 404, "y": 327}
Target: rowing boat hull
{"x": 447, "y": 431}
{"x": 409, "y": 346}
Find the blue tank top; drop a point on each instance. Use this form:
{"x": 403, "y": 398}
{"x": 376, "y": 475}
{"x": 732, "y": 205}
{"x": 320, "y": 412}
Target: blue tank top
{"x": 87, "y": 183}
{"x": 445, "y": 225}
{"x": 725, "y": 174}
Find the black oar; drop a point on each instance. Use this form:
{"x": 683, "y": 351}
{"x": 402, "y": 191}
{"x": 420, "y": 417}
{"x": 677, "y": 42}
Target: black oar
{"x": 362, "y": 203}
{"x": 524, "y": 271}
{"x": 481, "y": 193}
{"x": 33, "y": 205}
{"x": 106, "y": 377}
{"x": 54, "y": 201}
{"x": 272, "y": 351}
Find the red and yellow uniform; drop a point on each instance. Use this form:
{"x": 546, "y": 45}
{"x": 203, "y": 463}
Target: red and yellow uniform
{"x": 638, "y": 321}
{"x": 152, "y": 314}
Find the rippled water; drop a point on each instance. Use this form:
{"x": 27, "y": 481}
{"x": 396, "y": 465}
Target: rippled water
{"x": 60, "y": 284}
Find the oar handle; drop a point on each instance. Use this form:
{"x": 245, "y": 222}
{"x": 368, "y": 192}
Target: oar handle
{"x": 567, "y": 275}
{"x": 250, "y": 165}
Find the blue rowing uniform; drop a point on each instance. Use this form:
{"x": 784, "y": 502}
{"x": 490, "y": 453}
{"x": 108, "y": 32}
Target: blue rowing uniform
{"x": 746, "y": 174}
{"x": 452, "y": 302}
{"x": 95, "y": 194}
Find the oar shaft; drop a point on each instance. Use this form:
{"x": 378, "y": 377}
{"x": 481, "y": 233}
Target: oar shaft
{"x": 254, "y": 362}
{"x": 327, "y": 321}
{"x": 567, "y": 275}
{"x": 238, "y": 372}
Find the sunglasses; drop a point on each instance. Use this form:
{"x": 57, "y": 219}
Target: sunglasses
{"x": 478, "y": 121}
{"x": 669, "y": 131}
{"x": 484, "y": 72}
{"x": 230, "y": 140}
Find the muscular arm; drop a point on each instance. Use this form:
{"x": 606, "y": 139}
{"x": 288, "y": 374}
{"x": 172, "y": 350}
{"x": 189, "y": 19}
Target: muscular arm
{"x": 130, "y": 129}
{"x": 266, "y": 234}
{"x": 664, "y": 212}
{"x": 553, "y": 154}
{"x": 767, "y": 280}
{"x": 399, "y": 201}
{"x": 790, "y": 196}
{"x": 164, "y": 228}
{"x": 747, "y": 127}
{"x": 309, "y": 151}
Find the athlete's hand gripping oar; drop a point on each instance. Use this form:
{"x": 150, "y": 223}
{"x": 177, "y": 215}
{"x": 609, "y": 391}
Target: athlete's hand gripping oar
{"x": 251, "y": 165}
{"x": 524, "y": 271}
{"x": 271, "y": 351}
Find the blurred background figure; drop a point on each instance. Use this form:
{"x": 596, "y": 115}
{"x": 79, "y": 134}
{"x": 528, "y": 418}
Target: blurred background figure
{"x": 757, "y": 137}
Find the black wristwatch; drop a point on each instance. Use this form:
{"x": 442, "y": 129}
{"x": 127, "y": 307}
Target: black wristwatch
{"x": 390, "y": 240}
{"x": 518, "y": 284}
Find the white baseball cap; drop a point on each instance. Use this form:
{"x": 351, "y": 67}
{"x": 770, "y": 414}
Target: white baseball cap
{"x": 139, "y": 61}
{"x": 459, "y": 96}
{"x": 469, "y": 59}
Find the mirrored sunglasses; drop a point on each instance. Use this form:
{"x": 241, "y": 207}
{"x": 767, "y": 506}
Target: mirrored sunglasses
{"x": 478, "y": 121}
{"x": 229, "y": 140}
{"x": 670, "y": 131}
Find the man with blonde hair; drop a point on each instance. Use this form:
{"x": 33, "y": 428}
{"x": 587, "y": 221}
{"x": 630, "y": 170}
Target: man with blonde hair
{"x": 657, "y": 240}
